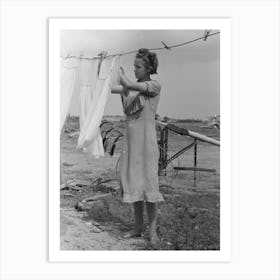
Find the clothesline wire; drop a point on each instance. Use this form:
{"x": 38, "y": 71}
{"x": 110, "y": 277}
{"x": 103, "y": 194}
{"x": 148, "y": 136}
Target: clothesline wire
{"x": 152, "y": 49}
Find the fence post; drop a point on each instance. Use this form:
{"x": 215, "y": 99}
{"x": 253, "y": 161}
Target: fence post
{"x": 163, "y": 148}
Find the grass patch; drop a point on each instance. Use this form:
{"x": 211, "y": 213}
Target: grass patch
{"x": 185, "y": 222}
{"x": 184, "y": 226}
{"x": 112, "y": 210}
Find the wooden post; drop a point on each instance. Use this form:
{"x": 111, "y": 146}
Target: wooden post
{"x": 160, "y": 149}
{"x": 165, "y": 135}
{"x": 163, "y": 148}
{"x": 195, "y": 163}
{"x": 195, "y": 154}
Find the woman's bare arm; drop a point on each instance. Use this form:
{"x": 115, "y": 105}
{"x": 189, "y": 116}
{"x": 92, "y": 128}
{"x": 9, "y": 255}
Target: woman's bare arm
{"x": 117, "y": 89}
{"x": 130, "y": 85}
{"x": 135, "y": 86}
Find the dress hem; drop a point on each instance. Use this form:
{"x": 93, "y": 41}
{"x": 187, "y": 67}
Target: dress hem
{"x": 148, "y": 197}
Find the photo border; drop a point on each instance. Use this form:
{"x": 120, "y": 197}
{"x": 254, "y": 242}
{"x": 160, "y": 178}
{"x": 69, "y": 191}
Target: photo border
{"x": 58, "y": 24}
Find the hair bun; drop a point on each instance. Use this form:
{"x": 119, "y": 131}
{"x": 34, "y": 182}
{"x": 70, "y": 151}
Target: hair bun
{"x": 150, "y": 59}
{"x": 143, "y": 51}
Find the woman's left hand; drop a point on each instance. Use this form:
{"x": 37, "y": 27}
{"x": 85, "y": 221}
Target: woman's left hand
{"x": 121, "y": 71}
{"x": 122, "y": 77}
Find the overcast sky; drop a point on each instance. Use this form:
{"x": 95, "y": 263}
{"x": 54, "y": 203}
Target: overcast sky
{"x": 189, "y": 75}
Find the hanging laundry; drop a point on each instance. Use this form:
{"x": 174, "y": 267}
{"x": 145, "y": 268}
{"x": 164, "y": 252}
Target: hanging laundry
{"x": 110, "y": 66}
{"x": 68, "y": 77}
{"x": 88, "y": 77}
{"x": 90, "y": 139}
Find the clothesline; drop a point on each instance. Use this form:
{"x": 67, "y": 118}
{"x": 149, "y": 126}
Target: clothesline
{"x": 204, "y": 37}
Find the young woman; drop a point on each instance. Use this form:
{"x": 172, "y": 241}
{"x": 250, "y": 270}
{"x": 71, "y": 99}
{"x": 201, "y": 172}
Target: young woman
{"x": 140, "y": 154}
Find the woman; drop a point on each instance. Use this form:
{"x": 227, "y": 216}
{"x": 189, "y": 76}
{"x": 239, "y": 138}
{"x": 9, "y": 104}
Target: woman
{"x": 139, "y": 157}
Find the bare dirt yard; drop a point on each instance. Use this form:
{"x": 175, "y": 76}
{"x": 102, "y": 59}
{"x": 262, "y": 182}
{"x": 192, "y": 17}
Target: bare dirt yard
{"x": 189, "y": 218}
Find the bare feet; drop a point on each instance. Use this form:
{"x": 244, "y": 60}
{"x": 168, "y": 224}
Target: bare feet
{"x": 154, "y": 238}
{"x": 132, "y": 233}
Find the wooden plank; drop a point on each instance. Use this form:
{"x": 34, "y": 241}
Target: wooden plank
{"x": 204, "y": 138}
{"x": 190, "y": 133}
{"x": 194, "y": 168}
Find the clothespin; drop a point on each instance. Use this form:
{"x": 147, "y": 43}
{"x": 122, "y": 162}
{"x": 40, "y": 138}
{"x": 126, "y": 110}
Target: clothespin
{"x": 165, "y": 46}
{"x": 102, "y": 55}
{"x": 67, "y": 56}
{"x": 81, "y": 56}
{"x": 206, "y": 34}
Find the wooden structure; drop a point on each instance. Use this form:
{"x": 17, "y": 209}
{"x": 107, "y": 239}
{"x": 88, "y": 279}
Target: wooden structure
{"x": 163, "y": 147}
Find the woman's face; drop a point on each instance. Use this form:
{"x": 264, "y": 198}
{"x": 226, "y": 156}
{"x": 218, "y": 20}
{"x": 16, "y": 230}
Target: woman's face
{"x": 139, "y": 69}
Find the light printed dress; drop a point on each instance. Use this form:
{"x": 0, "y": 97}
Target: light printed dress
{"x": 140, "y": 154}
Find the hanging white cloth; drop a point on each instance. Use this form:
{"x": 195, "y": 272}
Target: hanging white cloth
{"x": 90, "y": 139}
{"x": 68, "y": 76}
{"x": 88, "y": 77}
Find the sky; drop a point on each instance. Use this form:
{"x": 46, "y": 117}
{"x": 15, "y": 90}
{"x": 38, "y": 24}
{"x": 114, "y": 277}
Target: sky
{"x": 189, "y": 75}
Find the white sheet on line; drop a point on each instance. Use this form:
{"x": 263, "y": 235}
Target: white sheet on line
{"x": 68, "y": 77}
{"x": 88, "y": 77}
{"x": 90, "y": 139}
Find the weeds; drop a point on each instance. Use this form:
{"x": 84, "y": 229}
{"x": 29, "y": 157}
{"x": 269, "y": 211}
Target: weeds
{"x": 182, "y": 225}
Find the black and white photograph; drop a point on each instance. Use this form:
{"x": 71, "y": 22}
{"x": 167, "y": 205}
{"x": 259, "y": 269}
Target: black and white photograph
{"x": 140, "y": 126}
{"x": 139, "y": 139}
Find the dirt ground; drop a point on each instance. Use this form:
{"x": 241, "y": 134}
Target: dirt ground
{"x": 192, "y": 206}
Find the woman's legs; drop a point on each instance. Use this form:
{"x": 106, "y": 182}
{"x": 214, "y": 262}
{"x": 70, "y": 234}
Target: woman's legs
{"x": 138, "y": 213}
{"x": 152, "y": 210}
{"x": 152, "y": 216}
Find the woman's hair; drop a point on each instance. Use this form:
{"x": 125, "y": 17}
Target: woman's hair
{"x": 150, "y": 59}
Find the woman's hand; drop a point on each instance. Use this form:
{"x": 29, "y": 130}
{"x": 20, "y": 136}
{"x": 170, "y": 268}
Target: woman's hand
{"x": 122, "y": 75}
{"x": 130, "y": 85}
{"x": 123, "y": 78}
{"x": 121, "y": 71}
